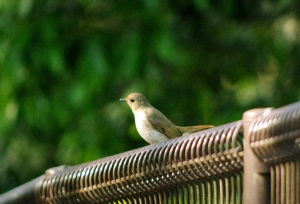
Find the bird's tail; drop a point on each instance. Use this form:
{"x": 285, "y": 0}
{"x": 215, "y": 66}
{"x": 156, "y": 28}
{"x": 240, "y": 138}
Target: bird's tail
{"x": 191, "y": 129}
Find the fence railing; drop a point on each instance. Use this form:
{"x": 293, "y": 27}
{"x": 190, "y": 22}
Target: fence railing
{"x": 254, "y": 160}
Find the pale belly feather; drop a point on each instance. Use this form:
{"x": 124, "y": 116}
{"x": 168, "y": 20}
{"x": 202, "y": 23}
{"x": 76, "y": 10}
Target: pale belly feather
{"x": 149, "y": 134}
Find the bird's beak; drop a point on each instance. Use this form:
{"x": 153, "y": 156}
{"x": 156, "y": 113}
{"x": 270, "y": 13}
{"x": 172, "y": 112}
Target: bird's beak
{"x": 123, "y": 99}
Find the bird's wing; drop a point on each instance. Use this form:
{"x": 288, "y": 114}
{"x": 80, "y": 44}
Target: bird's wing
{"x": 162, "y": 124}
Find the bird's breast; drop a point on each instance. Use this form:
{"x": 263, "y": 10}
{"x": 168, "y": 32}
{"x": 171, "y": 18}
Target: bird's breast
{"x": 148, "y": 133}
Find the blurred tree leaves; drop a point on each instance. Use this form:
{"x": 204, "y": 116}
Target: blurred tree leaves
{"x": 65, "y": 63}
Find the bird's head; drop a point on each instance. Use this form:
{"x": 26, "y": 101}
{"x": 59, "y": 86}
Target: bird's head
{"x": 136, "y": 101}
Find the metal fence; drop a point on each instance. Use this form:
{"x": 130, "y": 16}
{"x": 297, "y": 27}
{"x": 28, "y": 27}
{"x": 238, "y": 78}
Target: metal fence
{"x": 254, "y": 160}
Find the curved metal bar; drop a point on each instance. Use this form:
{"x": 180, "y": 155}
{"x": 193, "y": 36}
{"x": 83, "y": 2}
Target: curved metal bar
{"x": 275, "y": 137}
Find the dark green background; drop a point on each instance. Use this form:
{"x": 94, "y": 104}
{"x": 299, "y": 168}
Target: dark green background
{"x": 64, "y": 64}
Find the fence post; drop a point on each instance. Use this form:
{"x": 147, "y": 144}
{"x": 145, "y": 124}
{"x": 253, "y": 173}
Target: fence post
{"x": 256, "y": 173}
{"x": 23, "y": 194}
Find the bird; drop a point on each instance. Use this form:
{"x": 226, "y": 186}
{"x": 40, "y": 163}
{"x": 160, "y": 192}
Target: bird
{"x": 153, "y": 125}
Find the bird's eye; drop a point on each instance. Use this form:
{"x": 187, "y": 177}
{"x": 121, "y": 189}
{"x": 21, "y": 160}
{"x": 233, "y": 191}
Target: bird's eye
{"x": 132, "y": 100}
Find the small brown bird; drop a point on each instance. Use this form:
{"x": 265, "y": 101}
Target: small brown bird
{"x": 154, "y": 126}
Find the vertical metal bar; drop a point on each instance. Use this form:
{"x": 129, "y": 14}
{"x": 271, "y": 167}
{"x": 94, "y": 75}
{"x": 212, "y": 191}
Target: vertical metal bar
{"x": 186, "y": 193}
{"x": 215, "y": 191}
{"x": 282, "y": 183}
{"x": 209, "y": 193}
{"x": 256, "y": 173}
{"x": 231, "y": 185}
{"x": 297, "y": 182}
{"x": 192, "y": 193}
{"x": 288, "y": 189}
{"x": 273, "y": 186}
{"x": 239, "y": 188}
{"x": 204, "y": 194}
{"x": 221, "y": 191}
{"x": 171, "y": 196}
{"x": 160, "y": 197}
{"x": 198, "y": 200}
{"x": 277, "y": 184}
{"x": 293, "y": 177}
{"x": 176, "y": 200}
{"x": 227, "y": 190}
{"x": 165, "y": 197}
{"x": 181, "y": 194}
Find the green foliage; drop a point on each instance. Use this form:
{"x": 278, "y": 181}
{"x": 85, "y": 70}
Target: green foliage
{"x": 64, "y": 64}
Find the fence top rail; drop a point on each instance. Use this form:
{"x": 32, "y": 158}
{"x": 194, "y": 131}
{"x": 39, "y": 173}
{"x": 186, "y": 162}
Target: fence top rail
{"x": 275, "y": 137}
{"x": 208, "y": 154}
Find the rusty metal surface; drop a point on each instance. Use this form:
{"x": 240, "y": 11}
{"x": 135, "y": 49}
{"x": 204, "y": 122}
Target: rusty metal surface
{"x": 275, "y": 137}
{"x": 203, "y": 167}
